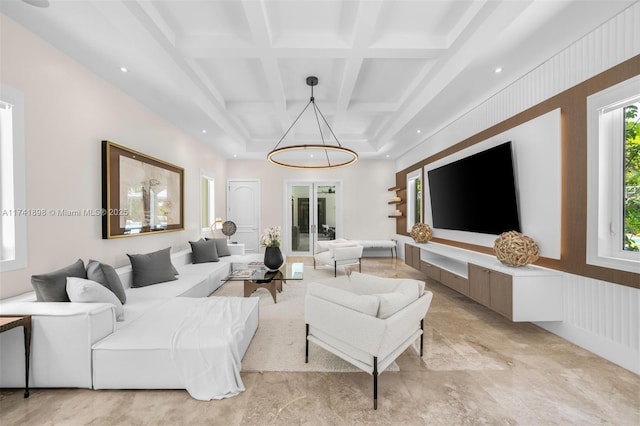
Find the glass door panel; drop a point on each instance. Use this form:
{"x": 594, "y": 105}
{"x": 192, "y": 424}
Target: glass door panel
{"x": 326, "y": 212}
{"x": 312, "y": 215}
{"x": 300, "y": 218}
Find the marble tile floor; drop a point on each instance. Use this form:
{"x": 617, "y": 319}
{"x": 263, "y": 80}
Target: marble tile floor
{"x": 478, "y": 368}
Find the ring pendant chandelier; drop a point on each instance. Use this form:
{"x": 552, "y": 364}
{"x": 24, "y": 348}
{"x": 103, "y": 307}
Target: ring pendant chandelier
{"x": 330, "y": 156}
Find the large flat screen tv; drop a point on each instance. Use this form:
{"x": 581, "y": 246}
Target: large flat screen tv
{"x": 476, "y": 193}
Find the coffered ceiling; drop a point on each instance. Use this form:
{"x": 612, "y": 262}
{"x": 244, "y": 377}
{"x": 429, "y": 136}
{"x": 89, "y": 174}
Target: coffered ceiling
{"x": 232, "y": 73}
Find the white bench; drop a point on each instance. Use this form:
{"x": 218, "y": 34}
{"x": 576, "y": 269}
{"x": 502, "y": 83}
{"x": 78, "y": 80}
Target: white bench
{"x": 383, "y": 244}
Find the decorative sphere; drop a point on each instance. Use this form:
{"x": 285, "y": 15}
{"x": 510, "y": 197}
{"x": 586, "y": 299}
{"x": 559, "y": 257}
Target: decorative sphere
{"x": 515, "y": 249}
{"x": 421, "y": 232}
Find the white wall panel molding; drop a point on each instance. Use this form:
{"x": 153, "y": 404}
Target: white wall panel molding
{"x": 603, "y": 318}
{"x": 608, "y": 45}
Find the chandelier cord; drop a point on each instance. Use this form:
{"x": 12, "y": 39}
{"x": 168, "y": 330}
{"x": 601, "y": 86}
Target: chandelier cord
{"x": 329, "y": 127}
{"x": 295, "y": 121}
{"x": 316, "y": 110}
{"x": 312, "y": 81}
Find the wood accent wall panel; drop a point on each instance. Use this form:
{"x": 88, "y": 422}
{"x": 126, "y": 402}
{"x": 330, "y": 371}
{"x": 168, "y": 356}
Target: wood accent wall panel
{"x": 572, "y": 103}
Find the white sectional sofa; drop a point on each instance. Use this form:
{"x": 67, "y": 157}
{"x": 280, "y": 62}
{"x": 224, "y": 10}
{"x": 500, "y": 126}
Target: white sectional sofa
{"x": 81, "y": 345}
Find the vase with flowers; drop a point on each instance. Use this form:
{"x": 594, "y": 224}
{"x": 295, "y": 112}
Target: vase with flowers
{"x": 270, "y": 240}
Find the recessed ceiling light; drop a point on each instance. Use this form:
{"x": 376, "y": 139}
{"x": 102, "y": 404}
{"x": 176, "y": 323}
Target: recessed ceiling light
{"x": 235, "y": 155}
{"x": 124, "y": 69}
{"x": 204, "y": 131}
{"x": 418, "y": 131}
{"x": 388, "y": 155}
{"x": 498, "y": 70}
{"x": 37, "y": 3}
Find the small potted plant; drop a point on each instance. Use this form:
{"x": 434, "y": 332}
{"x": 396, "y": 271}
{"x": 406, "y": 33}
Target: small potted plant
{"x": 270, "y": 239}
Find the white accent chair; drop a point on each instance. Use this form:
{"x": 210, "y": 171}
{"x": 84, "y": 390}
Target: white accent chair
{"x": 368, "y": 321}
{"x": 338, "y": 253}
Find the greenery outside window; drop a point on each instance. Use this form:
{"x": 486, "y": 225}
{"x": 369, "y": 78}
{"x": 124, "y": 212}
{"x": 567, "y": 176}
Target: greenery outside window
{"x": 613, "y": 177}
{"x": 631, "y": 239}
{"x": 414, "y": 198}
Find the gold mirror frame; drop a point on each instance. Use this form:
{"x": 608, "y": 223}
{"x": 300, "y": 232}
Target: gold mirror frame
{"x": 141, "y": 195}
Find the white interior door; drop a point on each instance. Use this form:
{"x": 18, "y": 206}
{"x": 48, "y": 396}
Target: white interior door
{"x": 243, "y": 201}
{"x": 312, "y": 214}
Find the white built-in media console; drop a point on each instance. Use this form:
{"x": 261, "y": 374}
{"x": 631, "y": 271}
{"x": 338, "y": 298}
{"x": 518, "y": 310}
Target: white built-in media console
{"x": 526, "y": 293}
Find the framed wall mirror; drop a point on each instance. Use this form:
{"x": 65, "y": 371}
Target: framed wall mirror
{"x": 140, "y": 194}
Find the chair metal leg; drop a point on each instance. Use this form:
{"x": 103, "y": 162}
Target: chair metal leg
{"x": 375, "y": 382}
{"x": 306, "y": 349}
{"x": 335, "y": 269}
{"x": 359, "y": 264}
{"x": 421, "y": 336}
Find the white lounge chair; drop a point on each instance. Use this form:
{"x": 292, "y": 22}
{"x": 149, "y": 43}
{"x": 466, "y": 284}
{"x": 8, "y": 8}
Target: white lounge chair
{"x": 368, "y": 321}
{"x": 338, "y": 253}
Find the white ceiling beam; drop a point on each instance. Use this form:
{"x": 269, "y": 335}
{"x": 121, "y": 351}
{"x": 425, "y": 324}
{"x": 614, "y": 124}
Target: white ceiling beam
{"x": 209, "y": 102}
{"x": 462, "y": 23}
{"x": 156, "y": 17}
{"x": 247, "y": 108}
{"x": 205, "y": 52}
{"x": 487, "y": 24}
{"x": 266, "y": 108}
{"x": 262, "y": 37}
{"x": 306, "y": 138}
{"x": 257, "y": 145}
{"x": 366, "y": 20}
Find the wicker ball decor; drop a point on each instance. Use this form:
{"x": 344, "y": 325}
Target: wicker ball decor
{"x": 515, "y": 249}
{"x": 421, "y": 232}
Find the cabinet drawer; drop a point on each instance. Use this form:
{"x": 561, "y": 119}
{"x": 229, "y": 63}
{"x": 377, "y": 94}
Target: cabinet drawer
{"x": 502, "y": 294}
{"x": 480, "y": 284}
{"x": 456, "y": 282}
{"x": 432, "y": 272}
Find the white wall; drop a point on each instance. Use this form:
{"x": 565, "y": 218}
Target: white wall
{"x": 68, "y": 111}
{"x": 601, "y": 317}
{"x": 364, "y": 199}
{"x": 536, "y": 147}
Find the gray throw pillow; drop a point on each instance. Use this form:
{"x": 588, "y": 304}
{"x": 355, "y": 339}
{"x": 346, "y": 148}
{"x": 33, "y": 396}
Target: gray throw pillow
{"x": 108, "y": 277}
{"x": 204, "y": 251}
{"x": 221, "y": 246}
{"x": 52, "y": 287}
{"x": 152, "y": 268}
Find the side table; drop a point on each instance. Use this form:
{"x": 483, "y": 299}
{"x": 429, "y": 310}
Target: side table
{"x": 7, "y": 323}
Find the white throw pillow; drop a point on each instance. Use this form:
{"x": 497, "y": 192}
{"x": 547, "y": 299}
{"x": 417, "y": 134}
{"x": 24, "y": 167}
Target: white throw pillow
{"x": 87, "y": 291}
{"x": 390, "y": 303}
{"x": 366, "y": 304}
{"x": 371, "y": 284}
{"x": 321, "y": 246}
{"x": 334, "y": 246}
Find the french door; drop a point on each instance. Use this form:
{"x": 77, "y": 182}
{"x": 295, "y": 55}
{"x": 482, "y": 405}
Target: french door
{"x": 312, "y": 213}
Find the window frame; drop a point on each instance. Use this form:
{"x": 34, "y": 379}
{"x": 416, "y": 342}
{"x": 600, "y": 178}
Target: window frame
{"x": 605, "y": 176}
{"x": 209, "y": 177}
{"x": 411, "y": 196}
{"x": 16, "y": 207}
